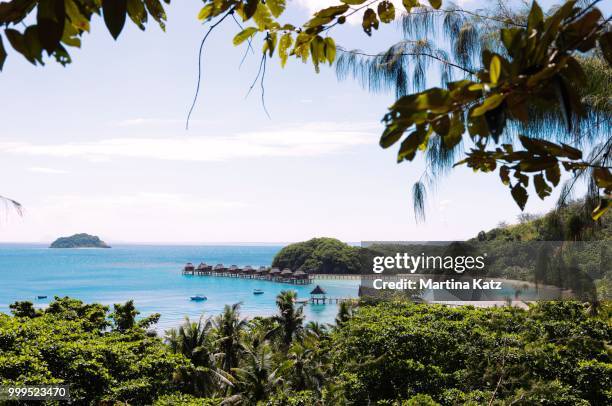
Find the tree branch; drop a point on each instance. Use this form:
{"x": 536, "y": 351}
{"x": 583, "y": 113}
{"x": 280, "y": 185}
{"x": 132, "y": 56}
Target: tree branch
{"x": 195, "y": 97}
{"x": 426, "y": 54}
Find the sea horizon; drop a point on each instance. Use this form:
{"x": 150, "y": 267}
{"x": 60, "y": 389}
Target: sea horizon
{"x": 151, "y": 275}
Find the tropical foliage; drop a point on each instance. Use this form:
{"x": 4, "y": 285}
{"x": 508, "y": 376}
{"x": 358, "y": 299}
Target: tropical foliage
{"x": 390, "y": 353}
{"x": 319, "y": 255}
{"x": 532, "y": 95}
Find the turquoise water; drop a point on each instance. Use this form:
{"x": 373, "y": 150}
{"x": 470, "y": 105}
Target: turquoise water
{"x": 151, "y": 275}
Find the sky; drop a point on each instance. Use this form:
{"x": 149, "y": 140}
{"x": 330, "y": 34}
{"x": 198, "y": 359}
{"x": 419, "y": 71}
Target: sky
{"x": 100, "y": 147}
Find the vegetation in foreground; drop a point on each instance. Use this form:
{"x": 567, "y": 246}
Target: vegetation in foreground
{"x": 387, "y": 353}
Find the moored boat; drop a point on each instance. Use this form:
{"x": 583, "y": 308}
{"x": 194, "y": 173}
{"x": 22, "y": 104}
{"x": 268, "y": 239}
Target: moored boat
{"x": 199, "y": 298}
{"x": 258, "y": 291}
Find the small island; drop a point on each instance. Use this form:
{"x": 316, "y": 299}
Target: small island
{"x": 79, "y": 241}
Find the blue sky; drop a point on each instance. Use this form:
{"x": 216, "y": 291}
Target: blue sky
{"x": 100, "y": 147}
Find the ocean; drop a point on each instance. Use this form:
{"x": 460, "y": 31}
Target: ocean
{"x": 151, "y": 276}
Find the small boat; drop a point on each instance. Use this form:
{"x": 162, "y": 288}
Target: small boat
{"x": 258, "y": 292}
{"x": 41, "y": 297}
{"x": 199, "y": 298}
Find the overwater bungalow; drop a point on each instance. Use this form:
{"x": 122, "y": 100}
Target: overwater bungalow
{"x": 274, "y": 273}
{"x": 248, "y": 271}
{"x": 233, "y": 271}
{"x": 203, "y": 268}
{"x": 219, "y": 269}
{"x": 301, "y": 277}
{"x": 189, "y": 268}
{"x": 265, "y": 273}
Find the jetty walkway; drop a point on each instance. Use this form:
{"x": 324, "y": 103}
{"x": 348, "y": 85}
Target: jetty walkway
{"x": 262, "y": 273}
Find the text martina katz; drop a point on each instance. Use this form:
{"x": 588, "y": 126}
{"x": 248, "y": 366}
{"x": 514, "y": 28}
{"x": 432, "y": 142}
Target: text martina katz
{"x": 430, "y": 284}
{"x": 414, "y": 263}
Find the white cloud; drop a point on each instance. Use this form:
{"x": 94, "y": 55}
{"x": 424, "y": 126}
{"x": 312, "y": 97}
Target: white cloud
{"x": 308, "y": 140}
{"x": 137, "y": 202}
{"x": 51, "y": 171}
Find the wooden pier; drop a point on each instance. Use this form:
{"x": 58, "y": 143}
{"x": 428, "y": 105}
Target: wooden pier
{"x": 248, "y": 272}
{"x": 329, "y": 300}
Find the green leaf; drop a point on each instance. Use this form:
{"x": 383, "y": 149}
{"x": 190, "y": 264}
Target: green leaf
{"x": 353, "y": 2}
{"x": 2, "y": 54}
{"x": 571, "y": 152}
{"x": 276, "y": 7}
{"x": 270, "y": 43}
{"x": 79, "y": 20}
{"x": 17, "y": 41}
{"x": 391, "y": 135}
{"x": 262, "y": 16}
{"x": 441, "y": 125}
{"x": 541, "y": 186}
{"x": 206, "y": 11}
{"x": 330, "y": 50}
{"x": 283, "y": 48}
{"x": 50, "y": 18}
{"x": 435, "y": 3}
{"x": 510, "y": 38}
{"x": 495, "y": 69}
{"x": 455, "y": 132}
{"x": 504, "y": 174}
{"x": 599, "y": 211}
{"x": 536, "y": 164}
{"x": 603, "y": 178}
{"x": 605, "y": 44}
{"x": 413, "y": 142}
{"x": 553, "y": 174}
{"x": 489, "y": 103}
{"x": 249, "y": 8}
{"x": 386, "y": 11}
{"x": 409, "y": 4}
{"x": 115, "y": 12}
{"x": 520, "y": 195}
{"x": 333, "y": 11}
{"x": 157, "y": 11}
{"x": 370, "y": 20}
{"x": 244, "y": 35}
{"x": 536, "y": 17}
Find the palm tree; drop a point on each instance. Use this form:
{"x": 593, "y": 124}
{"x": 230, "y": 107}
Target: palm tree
{"x": 345, "y": 312}
{"x": 194, "y": 341}
{"x": 306, "y": 366}
{"x": 228, "y": 328}
{"x": 289, "y": 318}
{"x": 316, "y": 329}
{"x": 258, "y": 377}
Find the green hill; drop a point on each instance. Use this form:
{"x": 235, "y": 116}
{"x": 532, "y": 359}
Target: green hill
{"x": 79, "y": 241}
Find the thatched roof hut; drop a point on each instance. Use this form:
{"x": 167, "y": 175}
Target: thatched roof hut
{"x": 262, "y": 269}
{"x": 318, "y": 290}
{"x": 299, "y": 274}
{"x": 274, "y": 271}
{"x": 202, "y": 266}
{"x": 189, "y": 266}
{"x": 286, "y": 272}
{"x": 220, "y": 268}
{"x": 234, "y": 268}
{"x": 248, "y": 269}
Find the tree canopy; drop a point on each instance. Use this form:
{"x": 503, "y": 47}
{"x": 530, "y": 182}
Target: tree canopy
{"x": 389, "y": 353}
{"x": 528, "y": 102}
{"x": 319, "y": 255}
